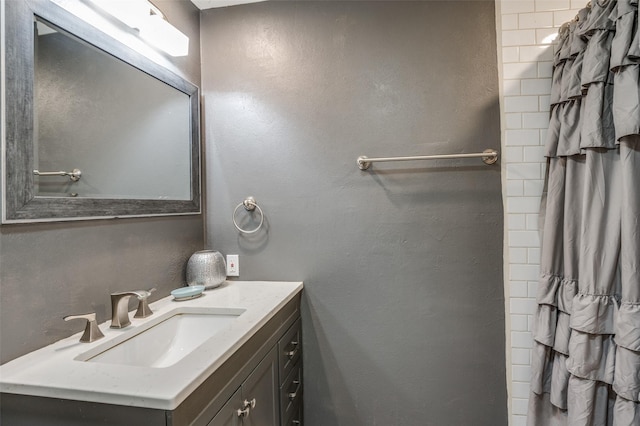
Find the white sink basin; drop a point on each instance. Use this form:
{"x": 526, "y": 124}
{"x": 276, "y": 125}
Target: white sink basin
{"x": 165, "y": 341}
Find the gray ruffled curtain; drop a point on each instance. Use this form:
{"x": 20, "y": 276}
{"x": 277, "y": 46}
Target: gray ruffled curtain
{"x": 586, "y": 355}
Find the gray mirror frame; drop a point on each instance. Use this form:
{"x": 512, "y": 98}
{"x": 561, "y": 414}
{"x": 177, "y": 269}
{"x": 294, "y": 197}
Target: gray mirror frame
{"x": 19, "y": 201}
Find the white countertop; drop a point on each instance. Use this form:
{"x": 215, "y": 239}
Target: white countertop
{"x": 53, "y": 372}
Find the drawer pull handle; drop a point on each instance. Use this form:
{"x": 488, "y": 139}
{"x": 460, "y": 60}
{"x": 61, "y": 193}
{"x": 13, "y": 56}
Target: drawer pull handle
{"x": 246, "y": 408}
{"x": 292, "y": 353}
{"x": 292, "y": 395}
{"x": 296, "y": 422}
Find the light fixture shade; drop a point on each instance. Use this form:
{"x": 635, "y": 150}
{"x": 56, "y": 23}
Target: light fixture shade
{"x": 161, "y": 34}
{"x": 133, "y": 13}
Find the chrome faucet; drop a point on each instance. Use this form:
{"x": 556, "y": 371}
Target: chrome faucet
{"x": 120, "y": 307}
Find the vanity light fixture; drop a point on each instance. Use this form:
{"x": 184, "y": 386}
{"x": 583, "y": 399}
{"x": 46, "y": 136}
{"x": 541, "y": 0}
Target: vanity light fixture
{"x": 161, "y": 34}
{"x": 150, "y": 21}
{"x": 130, "y": 12}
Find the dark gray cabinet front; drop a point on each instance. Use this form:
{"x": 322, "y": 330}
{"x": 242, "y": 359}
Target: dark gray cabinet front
{"x": 228, "y": 414}
{"x": 260, "y": 391}
{"x": 290, "y": 364}
{"x": 271, "y": 395}
{"x": 255, "y": 403}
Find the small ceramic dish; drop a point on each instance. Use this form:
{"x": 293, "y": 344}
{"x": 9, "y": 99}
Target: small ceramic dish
{"x": 187, "y": 293}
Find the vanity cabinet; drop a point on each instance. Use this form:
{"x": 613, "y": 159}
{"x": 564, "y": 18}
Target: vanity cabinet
{"x": 272, "y": 394}
{"x": 290, "y": 363}
{"x": 260, "y": 384}
{"x": 267, "y": 391}
{"x": 255, "y": 403}
{"x": 228, "y": 414}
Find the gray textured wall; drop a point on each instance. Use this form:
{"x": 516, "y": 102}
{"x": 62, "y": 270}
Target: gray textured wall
{"x": 403, "y": 310}
{"x": 51, "y": 270}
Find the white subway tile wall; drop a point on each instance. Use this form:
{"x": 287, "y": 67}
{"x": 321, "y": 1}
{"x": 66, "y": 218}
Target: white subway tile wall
{"x": 526, "y": 33}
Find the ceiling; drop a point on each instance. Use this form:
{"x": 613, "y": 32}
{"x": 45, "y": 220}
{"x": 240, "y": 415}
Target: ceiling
{"x": 208, "y": 4}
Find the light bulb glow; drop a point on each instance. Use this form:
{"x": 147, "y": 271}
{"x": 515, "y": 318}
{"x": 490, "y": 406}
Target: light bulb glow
{"x": 132, "y": 12}
{"x": 161, "y": 34}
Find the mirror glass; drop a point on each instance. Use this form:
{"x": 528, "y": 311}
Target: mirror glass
{"x": 126, "y": 132}
{"x": 92, "y": 129}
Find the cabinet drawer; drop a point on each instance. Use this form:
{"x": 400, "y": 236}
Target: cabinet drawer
{"x": 296, "y": 416}
{"x": 290, "y": 348}
{"x": 291, "y": 392}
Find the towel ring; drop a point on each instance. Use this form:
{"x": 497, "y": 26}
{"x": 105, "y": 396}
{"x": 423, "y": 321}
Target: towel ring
{"x": 249, "y": 205}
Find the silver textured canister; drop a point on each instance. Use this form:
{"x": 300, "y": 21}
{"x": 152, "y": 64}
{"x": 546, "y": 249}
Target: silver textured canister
{"x": 207, "y": 268}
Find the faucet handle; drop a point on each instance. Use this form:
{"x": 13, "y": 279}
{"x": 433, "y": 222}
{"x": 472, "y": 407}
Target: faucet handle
{"x": 91, "y": 331}
{"x": 143, "y": 305}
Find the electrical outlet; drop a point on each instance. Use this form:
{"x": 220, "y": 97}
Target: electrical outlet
{"x": 233, "y": 265}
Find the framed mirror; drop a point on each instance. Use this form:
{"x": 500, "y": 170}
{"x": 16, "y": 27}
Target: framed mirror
{"x": 92, "y": 129}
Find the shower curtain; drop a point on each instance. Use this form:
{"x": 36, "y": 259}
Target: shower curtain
{"x": 586, "y": 354}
